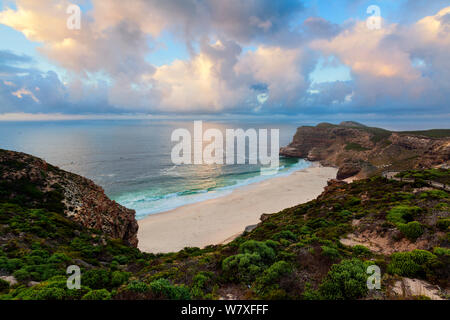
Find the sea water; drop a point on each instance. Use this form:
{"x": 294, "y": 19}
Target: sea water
{"x": 131, "y": 159}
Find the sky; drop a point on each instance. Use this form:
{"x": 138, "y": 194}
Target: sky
{"x": 290, "y": 58}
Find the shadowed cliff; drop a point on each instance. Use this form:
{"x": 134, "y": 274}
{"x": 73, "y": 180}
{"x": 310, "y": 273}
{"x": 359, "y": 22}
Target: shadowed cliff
{"x": 33, "y": 183}
{"x": 364, "y": 151}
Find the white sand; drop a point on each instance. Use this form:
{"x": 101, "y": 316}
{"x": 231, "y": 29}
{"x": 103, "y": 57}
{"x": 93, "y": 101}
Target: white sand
{"x": 219, "y": 220}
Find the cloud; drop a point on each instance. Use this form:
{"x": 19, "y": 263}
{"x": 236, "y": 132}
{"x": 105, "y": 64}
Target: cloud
{"x": 251, "y": 56}
{"x": 384, "y": 65}
{"x": 283, "y": 71}
{"x": 25, "y": 92}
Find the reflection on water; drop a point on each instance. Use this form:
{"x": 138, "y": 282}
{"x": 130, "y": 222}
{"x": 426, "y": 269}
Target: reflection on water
{"x": 131, "y": 159}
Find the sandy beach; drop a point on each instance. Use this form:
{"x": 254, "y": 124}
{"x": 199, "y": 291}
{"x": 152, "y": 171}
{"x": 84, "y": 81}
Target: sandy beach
{"x": 220, "y": 220}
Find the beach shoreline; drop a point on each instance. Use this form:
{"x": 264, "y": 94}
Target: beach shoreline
{"x": 220, "y": 220}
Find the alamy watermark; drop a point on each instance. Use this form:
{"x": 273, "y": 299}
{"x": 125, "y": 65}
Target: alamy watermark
{"x": 74, "y": 19}
{"x": 74, "y": 279}
{"x": 232, "y": 151}
{"x": 374, "y": 21}
{"x": 374, "y": 279}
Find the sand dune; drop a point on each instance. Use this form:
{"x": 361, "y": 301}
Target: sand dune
{"x": 218, "y": 220}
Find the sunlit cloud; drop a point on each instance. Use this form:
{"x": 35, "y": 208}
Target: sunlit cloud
{"x": 243, "y": 57}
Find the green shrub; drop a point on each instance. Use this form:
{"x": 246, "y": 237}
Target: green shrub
{"x": 285, "y": 234}
{"x": 274, "y": 272}
{"x": 345, "y": 214}
{"x": 59, "y": 258}
{"x": 13, "y": 264}
{"x": 138, "y": 286}
{"x": 412, "y": 230}
{"x": 317, "y": 223}
{"x": 200, "y": 283}
{"x": 402, "y": 196}
{"x": 410, "y": 264}
{"x": 4, "y": 285}
{"x": 242, "y": 267}
{"x": 443, "y": 224}
{"x": 162, "y": 288}
{"x": 402, "y": 213}
{"x": 441, "y": 251}
{"x": 121, "y": 259}
{"x": 266, "y": 285}
{"x": 361, "y": 251}
{"x": 355, "y": 147}
{"x": 309, "y": 293}
{"x": 330, "y": 252}
{"x": 346, "y": 280}
{"x": 263, "y": 249}
{"x": 22, "y": 275}
{"x": 101, "y": 294}
{"x": 353, "y": 201}
{"x": 442, "y": 206}
{"x": 52, "y": 289}
{"x": 254, "y": 256}
{"x": 434, "y": 194}
{"x": 119, "y": 277}
{"x": 96, "y": 279}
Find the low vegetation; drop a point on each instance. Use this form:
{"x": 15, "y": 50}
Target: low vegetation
{"x": 294, "y": 254}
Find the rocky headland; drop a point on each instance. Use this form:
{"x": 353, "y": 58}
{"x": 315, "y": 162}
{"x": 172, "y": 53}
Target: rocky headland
{"x": 362, "y": 151}
{"x": 34, "y": 183}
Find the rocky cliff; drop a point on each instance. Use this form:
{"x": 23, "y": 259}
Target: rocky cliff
{"x": 364, "y": 151}
{"x": 33, "y": 183}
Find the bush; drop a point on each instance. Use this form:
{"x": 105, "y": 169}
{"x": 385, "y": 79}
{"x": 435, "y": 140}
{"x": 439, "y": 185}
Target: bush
{"x": 266, "y": 285}
{"x": 163, "y": 289}
{"x": 353, "y": 201}
{"x": 96, "y": 279}
{"x": 13, "y": 264}
{"x": 138, "y": 286}
{"x": 242, "y": 267}
{"x": 101, "y": 294}
{"x": 330, "y": 252}
{"x": 443, "y": 224}
{"x": 53, "y": 289}
{"x": 263, "y": 249}
{"x": 118, "y": 278}
{"x": 411, "y": 230}
{"x": 346, "y": 280}
{"x": 410, "y": 264}
{"x": 274, "y": 272}
{"x": 254, "y": 256}
{"x": 402, "y": 214}
{"x": 200, "y": 283}
{"x": 402, "y": 196}
{"x": 121, "y": 259}
{"x": 4, "y": 285}
{"x": 345, "y": 214}
{"x": 22, "y": 275}
{"x": 361, "y": 251}
{"x": 441, "y": 251}
{"x": 285, "y": 234}
{"x": 355, "y": 147}
{"x": 59, "y": 258}
{"x": 434, "y": 194}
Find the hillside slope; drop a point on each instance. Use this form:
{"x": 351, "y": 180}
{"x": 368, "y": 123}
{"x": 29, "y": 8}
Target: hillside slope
{"x": 365, "y": 151}
{"x": 32, "y": 183}
{"x": 317, "y": 250}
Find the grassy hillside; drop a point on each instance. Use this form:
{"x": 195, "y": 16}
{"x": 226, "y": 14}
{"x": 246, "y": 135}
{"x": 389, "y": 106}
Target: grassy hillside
{"x": 293, "y": 254}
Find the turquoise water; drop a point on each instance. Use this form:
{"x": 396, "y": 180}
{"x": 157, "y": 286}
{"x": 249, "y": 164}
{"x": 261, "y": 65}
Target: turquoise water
{"x": 131, "y": 159}
{"x": 186, "y": 185}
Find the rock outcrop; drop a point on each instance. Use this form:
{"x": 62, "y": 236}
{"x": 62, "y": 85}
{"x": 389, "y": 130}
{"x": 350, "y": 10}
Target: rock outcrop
{"x": 362, "y": 151}
{"x": 37, "y": 184}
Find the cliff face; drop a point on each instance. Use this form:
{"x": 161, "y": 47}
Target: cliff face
{"x": 34, "y": 183}
{"x": 364, "y": 151}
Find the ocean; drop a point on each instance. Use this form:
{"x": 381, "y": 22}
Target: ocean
{"x": 131, "y": 159}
